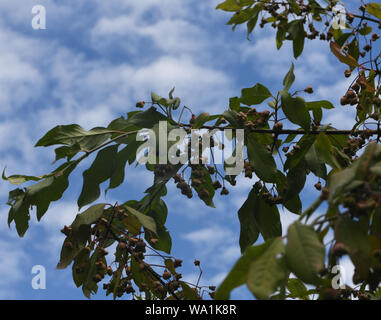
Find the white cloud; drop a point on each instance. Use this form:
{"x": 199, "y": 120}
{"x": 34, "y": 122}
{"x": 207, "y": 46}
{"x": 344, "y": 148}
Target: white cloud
{"x": 11, "y": 264}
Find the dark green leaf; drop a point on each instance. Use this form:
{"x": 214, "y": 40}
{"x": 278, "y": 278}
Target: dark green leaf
{"x": 249, "y": 232}
{"x": 233, "y": 5}
{"x": 238, "y": 275}
{"x": 304, "y": 252}
{"x": 102, "y": 169}
{"x": 289, "y": 78}
{"x": 374, "y": 9}
{"x": 73, "y": 133}
{"x": 315, "y": 163}
{"x": 295, "y": 110}
{"x": 319, "y": 104}
{"x": 261, "y": 160}
{"x": 324, "y": 149}
{"x": 297, "y": 289}
{"x": 305, "y": 144}
{"x": 89, "y": 216}
{"x": 297, "y": 35}
{"x": 354, "y": 235}
{"x": 146, "y": 221}
{"x": 268, "y": 271}
{"x": 296, "y": 178}
{"x": 147, "y": 119}
{"x": 255, "y": 95}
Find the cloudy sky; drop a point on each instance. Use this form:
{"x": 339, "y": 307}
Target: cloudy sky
{"x": 92, "y": 63}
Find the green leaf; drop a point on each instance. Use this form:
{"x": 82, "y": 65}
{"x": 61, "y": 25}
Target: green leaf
{"x": 305, "y": 144}
{"x": 234, "y": 104}
{"x": 127, "y": 154}
{"x": 374, "y": 9}
{"x": 101, "y": 169}
{"x": 325, "y": 150}
{"x": 164, "y": 239}
{"x": 295, "y": 110}
{"x": 256, "y": 216}
{"x": 238, "y": 275}
{"x": 319, "y": 104}
{"x": 353, "y": 49}
{"x": 39, "y": 195}
{"x": 376, "y": 169}
{"x": 268, "y": 271}
{"x": 231, "y": 117}
{"x": 296, "y": 179}
{"x": 147, "y": 119}
{"x": 70, "y": 151}
{"x": 89, "y": 216}
{"x": 297, "y": 289}
{"x": 234, "y": 5}
{"x": 340, "y": 37}
{"x": 254, "y": 18}
{"x": 241, "y": 16}
{"x": 78, "y": 240}
{"x": 304, "y": 252}
{"x": 343, "y": 57}
{"x": 261, "y": 160}
{"x": 206, "y": 183}
{"x": 280, "y": 35}
{"x": 354, "y": 235}
{"x": 289, "y": 78}
{"x": 188, "y": 292}
{"x": 249, "y": 232}
{"x": 255, "y": 95}
{"x": 315, "y": 163}
{"x": 19, "y": 179}
{"x": 340, "y": 180}
{"x": 158, "y": 99}
{"x": 296, "y": 31}
{"x": 201, "y": 119}
{"x": 146, "y": 221}
{"x": 73, "y": 133}
{"x": 365, "y": 30}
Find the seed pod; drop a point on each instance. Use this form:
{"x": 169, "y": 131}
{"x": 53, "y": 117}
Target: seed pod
{"x": 224, "y": 191}
{"x": 324, "y": 193}
{"x": 121, "y": 245}
{"x": 97, "y": 277}
{"x": 177, "y": 263}
{"x": 154, "y": 241}
{"x": 339, "y": 249}
{"x": 68, "y": 245}
{"x": 140, "y": 104}
{"x": 309, "y": 90}
{"x": 193, "y": 119}
{"x": 203, "y": 194}
{"x": 216, "y": 185}
{"x": 66, "y": 230}
{"x": 166, "y": 275}
{"x": 196, "y": 182}
{"x": 211, "y": 169}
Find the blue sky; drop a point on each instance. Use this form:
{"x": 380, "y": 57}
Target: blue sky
{"x": 92, "y": 63}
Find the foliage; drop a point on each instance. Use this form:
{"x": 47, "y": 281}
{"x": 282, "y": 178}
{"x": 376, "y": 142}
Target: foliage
{"x": 347, "y": 162}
